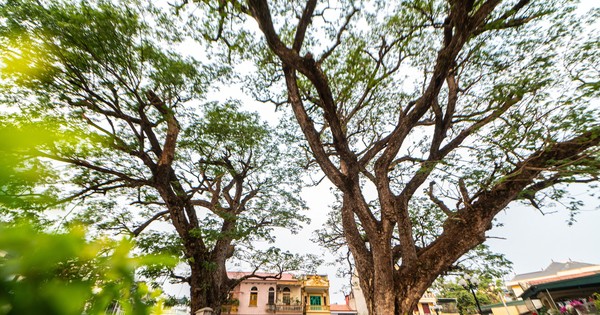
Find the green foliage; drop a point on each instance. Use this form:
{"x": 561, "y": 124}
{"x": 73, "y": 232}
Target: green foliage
{"x": 597, "y": 300}
{"x": 465, "y": 302}
{"x": 224, "y": 128}
{"x": 485, "y": 263}
{"x": 20, "y": 176}
{"x": 109, "y": 79}
{"x": 171, "y": 301}
{"x": 63, "y": 273}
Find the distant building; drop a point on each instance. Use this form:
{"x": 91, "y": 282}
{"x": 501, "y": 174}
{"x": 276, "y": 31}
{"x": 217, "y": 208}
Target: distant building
{"x": 290, "y": 295}
{"x": 554, "y": 287}
{"x": 555, "y": 271}
{"x": 342, "y": 309}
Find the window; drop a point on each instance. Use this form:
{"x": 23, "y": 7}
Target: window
{"x": 271, "y": 296}
{"x": 253, "y": 296}
{"x": 315, "y": 300}
{"x": 286, "y": 296}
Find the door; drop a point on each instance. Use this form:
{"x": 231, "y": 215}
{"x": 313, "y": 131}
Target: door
{"x": 426, "y": 308}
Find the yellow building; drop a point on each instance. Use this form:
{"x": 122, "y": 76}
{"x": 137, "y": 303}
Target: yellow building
{"x": 315, "y": 290}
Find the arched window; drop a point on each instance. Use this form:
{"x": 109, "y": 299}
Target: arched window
{"x": 271, "y": 296}
{"x": 253, "y": 296}
{"x": 286, "y": 296}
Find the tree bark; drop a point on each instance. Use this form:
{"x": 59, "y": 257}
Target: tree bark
{"x": 208, "y": 287}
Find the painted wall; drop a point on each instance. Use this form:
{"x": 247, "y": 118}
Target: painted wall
{"x": 262, "y": 298}
{"x": 295, "y": 294}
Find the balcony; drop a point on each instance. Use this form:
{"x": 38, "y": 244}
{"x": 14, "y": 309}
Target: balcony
{"x": 317, "y": 308}
{"x": 284, "y": 309}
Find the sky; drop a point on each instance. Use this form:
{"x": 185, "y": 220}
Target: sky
{"x": 533, "y": 240}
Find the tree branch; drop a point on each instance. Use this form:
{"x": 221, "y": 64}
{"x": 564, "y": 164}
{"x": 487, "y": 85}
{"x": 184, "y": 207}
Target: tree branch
{"x": 144, "y": 225}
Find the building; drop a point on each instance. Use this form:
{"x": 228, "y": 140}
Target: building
{"x": 555, "y": 271}
{"x": 290, "y": 295}
{"x": 555, "y": 286}
{"x": 342, "y": 309}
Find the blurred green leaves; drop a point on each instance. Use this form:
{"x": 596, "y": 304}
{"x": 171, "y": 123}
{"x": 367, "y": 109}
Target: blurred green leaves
{"x": 100, "y": 87}
{"x": 21, "y": 176}
{"x": 63, "y": 273}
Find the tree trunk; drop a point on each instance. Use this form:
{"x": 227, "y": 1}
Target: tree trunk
{"x": 383, "y": 278}
{"x": 390, "y": 289}
{"x": 207, "y": 286}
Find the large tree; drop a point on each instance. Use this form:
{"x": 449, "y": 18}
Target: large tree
{"x": 448, "y": 110}
{"x": 143, "y": 146}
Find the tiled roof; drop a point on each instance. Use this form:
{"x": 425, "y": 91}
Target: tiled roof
{"x": 340, "y": 307}
{"x": 565, "y": 277}
{"x": 552, "y": 269}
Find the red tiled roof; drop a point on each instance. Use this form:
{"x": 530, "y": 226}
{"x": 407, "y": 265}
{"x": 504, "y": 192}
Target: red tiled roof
{"x": 340, "y": 307}
{"x": 239, "y": 274}
{"x": 565, "y": 277}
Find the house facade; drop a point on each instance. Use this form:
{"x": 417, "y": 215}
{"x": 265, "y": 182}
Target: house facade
{"x": 556, "y": 286}
{"x": 291, "y": 295}
{"x": 554, "y": 272}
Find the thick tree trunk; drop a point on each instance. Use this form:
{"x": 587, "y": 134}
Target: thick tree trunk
{"x": 207, "y": 287}
{"x": 390, "y": 289}
{"x": 383, "y": 278}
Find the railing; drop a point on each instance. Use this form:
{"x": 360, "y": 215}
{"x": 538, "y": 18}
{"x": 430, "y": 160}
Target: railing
{"x": 428, "y": 295}
{"x": 449, "y": 309}
{"x": 317, "y": 307}
{"x": 272, "y": 308}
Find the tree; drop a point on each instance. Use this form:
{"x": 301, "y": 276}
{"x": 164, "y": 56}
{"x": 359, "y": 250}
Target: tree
{"x": 144, "y": 148}
{"x": 464, "y": 298}
{"x": 464, "y": 106}
{"x": 480, "y": 261}
{"x": 67, "y": 274}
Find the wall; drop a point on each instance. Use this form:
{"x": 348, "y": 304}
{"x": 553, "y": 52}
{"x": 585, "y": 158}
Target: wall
{"x": 263, "y": 296}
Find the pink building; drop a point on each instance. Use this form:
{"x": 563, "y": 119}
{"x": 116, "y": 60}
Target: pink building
{"x": 266, "y": 295}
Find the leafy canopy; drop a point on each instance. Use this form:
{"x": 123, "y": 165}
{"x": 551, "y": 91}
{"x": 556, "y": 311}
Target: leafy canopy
{"x": 63, "y": 273}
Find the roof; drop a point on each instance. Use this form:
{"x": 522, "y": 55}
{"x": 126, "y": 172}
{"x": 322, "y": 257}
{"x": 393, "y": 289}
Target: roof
{"x": 564, "y": 277}
{"x": 239, "y": 274}
{"x": 567, "y": 284}
{"x": 340, "y": 307}
{"x": 552, "y": 269}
